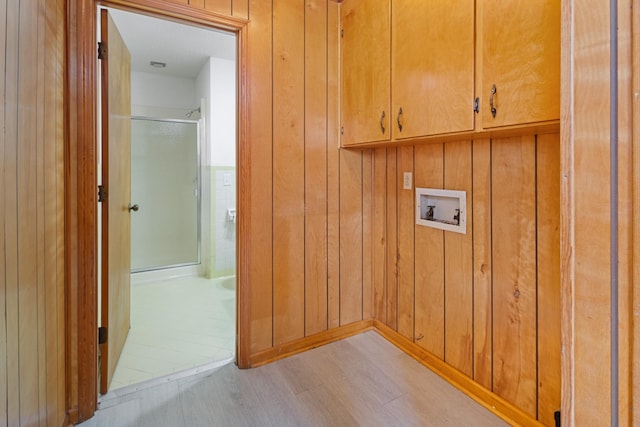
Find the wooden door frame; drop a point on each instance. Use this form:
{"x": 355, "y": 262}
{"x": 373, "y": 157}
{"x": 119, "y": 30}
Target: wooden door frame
{"x": 81, "y": 204}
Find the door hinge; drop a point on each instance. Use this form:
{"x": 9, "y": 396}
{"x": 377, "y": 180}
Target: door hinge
{"x": 476, "y": 105}
{"x": 102, "y": 50}
{"x": 102, "y": 334}
{"x": 556, "y": 416}
{"x": 102, "y": 194}
{"x": 342, "y": 130}
{"x": 341, "y": 32}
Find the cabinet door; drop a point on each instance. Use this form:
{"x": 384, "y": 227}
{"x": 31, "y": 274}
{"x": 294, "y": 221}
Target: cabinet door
{"x": 432, "y": 67}
{"x": 365, "y": 45}
{"x": 520, "y": 46}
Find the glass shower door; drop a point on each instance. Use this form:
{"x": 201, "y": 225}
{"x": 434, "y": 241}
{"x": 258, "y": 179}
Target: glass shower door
{"x": 165, "y": 231}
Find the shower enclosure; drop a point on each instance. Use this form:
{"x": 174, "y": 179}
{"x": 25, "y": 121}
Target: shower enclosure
{"x": 165, "y": 186}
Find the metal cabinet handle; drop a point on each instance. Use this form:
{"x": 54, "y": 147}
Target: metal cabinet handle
{"x": 493, "y": 109}
{"x": 399, "y": 119}
{"x": 382, "y": 122}
{"x": 133, "y": 207}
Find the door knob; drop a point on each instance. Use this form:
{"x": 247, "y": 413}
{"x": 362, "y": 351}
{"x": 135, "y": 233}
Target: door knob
{"x": 133, "y": 207}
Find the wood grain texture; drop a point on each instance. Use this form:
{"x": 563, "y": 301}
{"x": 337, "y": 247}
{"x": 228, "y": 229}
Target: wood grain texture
{"x": 522, "y": 60}
{"x": 3, "y": 281}
{"x": 361, "y": 380}
{"x": 625, "y": 211}
{"x": 494, "y": 403}
{"x": 26, "y": 188}
{"x": 351, "y": 256}
{"x": 482, "y": 265}
{"x": 429, "y": 249}
{"x": 11, "y": 215}
{"x": 32, "y": 250}
{"x": 445, "y": 53}
{"x": 548, "y": 265}
{"x": 591, "y": 251}
{"x": 288, "y": 172}
{"x": 219, "y": 6}
{"x": 367, "y": 237}
{"x": 514, "y": 271}
{"x": 406, "y": 230}
{"x": 116, "y": 179}
{"x": 240, "y": 8}
{"x": 365, "y": 75}
{"x": 392, "y": 238}
{"x": 458, "y": 264}
{"x": 315, "y": 166}
{"x": 333, "y": 166}
{"x": 194, "y": 3}
{"x": 635, "y": 138}
{"x": 260, "y": 138}
{"x": 380, "y": 234}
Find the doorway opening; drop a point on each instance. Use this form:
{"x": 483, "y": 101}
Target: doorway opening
{"x": 181, "y": 208}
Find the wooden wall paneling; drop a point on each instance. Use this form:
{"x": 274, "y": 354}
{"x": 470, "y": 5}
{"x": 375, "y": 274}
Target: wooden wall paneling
{"x": 3, "y": 240}
{"x": 591, "y": 233}
{"x": 350, "y": 236}
{"x": 315, "y": 166}
{"x": 635, "y": 280}
{"x": 27, "y": 211}
{"x": 219, "y": 6}
{"x": 333, "y": 166}
{"x": 513, "y": 215}
{"x": 482, "y": 262}
{"x": 406, "y": 230}
{"x": 288, "y": 172}
{"x": 41, "y": 236}
{"x": 458, "y": 264}
{"x": 429, "y": 256}
{"x": 392, "y": 238}
{"x": 625, "y": 215}
{"x": 53, "y": 333}
{"x": 260, "y": 57}
{"x": 61, "y": 305}
{"x": 548, "y": 265}
{"x": 367, "y": 237}
{"x": 380, "y": 234}
{"x": 240, "y": 8}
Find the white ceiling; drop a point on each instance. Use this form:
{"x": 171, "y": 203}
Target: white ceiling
{"x": 183, "y": 48}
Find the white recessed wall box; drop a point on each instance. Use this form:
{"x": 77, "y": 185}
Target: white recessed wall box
{"x": 443, "y": 209}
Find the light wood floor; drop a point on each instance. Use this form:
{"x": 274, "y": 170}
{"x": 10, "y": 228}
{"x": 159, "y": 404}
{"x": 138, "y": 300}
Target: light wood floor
{"x": 363, "y": 380}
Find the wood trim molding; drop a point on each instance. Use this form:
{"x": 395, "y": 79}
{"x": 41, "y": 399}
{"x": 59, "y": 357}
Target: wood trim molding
{"x": 81, "y": 189}
{"x": 474, "y": 390}
{"x": 307, "y": 343}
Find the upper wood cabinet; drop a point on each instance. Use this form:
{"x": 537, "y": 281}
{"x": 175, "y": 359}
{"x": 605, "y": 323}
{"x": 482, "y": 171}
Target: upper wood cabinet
{"x": 432, "y": 60}
{"x": 520, "y": 61}
{"x": 365, "y": 44}
{"x": 414, "y": 69}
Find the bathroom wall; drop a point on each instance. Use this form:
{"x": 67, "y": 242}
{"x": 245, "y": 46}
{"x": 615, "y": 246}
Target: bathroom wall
{"x": 216, "y": 83}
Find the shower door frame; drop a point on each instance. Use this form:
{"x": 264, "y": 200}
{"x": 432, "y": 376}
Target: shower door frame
{"x": 199, "y": 134}
{"x": 81, "y": 352}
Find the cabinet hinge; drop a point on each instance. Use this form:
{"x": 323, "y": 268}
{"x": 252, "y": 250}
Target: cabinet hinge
{"x": 556, "y": 416}
{"x": 102, "y": 194}
{"x": 102, "y": 334}
{"x": 342, "y": 130}
{"x": 341, "y": 32}
{"x": 102, "y": 50}
{"x": 476, "y": 105}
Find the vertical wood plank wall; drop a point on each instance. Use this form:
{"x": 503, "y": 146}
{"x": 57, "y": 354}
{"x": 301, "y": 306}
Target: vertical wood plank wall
{"x": 311, "y": 202}
{"x": 32, "y": 329}
{"x": 486, "y": 302}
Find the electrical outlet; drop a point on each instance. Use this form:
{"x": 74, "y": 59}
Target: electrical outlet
{"x": 408, "y": 181}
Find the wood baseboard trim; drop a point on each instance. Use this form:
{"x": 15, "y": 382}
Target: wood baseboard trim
{"x": 307, "y": 343}
{"x": 494, "y": 403}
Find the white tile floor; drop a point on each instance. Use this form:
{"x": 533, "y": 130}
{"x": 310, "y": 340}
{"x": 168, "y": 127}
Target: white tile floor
{"x": 177, "y": 325}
